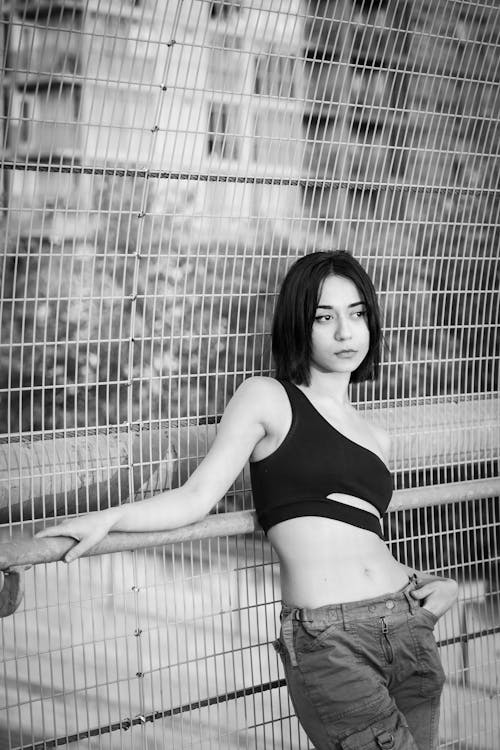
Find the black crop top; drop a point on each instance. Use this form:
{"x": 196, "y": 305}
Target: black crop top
{"x": 313, "y": 461}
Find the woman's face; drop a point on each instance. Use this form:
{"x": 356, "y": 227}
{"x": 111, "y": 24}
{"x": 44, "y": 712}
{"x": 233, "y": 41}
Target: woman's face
{"x": 340, "y": 336}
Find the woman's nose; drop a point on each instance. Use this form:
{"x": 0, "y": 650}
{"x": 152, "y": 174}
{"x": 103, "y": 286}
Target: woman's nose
{"x": 343, "y": 330}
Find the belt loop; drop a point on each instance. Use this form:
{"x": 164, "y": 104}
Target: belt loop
{"x": 287, "y": 636}
{"x": 411, "y": 586}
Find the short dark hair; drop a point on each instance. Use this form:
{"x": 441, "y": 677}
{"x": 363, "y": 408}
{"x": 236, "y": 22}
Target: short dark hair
{"x": 296, "y": 308}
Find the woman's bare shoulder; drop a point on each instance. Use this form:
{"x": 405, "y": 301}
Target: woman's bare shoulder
{"x": 264, "y": 395}
{"x": 261, "y": 385}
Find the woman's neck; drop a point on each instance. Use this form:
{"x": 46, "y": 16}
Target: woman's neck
{"x": 331, "y": 385}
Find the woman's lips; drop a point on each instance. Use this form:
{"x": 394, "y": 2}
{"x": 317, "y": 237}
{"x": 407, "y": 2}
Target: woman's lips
{"x": 346, "y": 353}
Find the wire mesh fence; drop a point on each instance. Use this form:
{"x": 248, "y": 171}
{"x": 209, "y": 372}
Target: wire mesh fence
{"x": 163, "y": 163}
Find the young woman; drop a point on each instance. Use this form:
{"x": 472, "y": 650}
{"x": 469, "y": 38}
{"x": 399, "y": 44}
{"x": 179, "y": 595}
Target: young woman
{"x": 356, "y": 639}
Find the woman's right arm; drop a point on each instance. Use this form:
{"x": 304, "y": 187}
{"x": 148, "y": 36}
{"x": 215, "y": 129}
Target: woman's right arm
{"x": 243, "y": 425}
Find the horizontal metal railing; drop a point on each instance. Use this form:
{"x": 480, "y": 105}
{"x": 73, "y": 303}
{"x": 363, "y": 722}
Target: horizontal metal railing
{"x": 332, "y": 183}
{"x": 24, "y": 551}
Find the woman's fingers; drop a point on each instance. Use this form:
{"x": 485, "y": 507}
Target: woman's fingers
{"x": 437, "y": 595}
{"x": 62, "y": 530}
{"x": 83, "y": 546}
{"x": 83, "y": 530}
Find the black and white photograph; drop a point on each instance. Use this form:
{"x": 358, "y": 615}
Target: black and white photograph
{"x": 250, "y": 375}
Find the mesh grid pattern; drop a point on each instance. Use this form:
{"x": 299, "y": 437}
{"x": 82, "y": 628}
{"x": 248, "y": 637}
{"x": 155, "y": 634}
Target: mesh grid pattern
{"x": 162, "y": 166}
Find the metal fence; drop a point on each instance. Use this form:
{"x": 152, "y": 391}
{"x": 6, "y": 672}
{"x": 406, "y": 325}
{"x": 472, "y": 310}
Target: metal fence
{"x": 163, "y": 163}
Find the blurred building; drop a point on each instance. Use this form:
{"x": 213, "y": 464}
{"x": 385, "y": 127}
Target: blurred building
{"x": 302, "y": 109}
{"x": 158, "y": 86}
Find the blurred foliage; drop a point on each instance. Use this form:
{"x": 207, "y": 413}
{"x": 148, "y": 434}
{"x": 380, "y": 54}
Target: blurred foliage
{"x": 108, "y": 337}
{"x": 443, "y": 310}
{"x": 145, "y": 326}
{"x": 142, "y": 329}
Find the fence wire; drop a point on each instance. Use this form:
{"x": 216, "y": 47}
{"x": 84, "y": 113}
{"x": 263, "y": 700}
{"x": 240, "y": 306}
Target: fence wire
{"x": 163, "y": 163}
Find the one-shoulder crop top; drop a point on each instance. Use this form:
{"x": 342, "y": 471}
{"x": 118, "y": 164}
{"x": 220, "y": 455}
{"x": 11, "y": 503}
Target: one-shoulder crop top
{"x": 313, "y": 461}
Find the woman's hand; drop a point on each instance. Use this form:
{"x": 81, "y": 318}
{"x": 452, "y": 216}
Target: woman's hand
{"x": 436, "y": 594}
{"x": 248, "y": 418}
{"x": 88, "y": 531}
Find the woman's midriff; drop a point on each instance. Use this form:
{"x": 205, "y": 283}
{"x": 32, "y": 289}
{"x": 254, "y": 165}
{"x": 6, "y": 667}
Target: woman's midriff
{"x": 324, "y": 561}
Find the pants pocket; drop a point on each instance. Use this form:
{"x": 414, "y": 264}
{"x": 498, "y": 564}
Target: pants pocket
{"x": 391, "y": 733}
{"x": 428, "y": 615}
{"x": 430, "y": 669}
{"x": 315, "y": 637}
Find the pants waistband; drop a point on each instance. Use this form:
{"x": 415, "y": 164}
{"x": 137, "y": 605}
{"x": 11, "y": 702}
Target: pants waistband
{"x": 399, "y": 601}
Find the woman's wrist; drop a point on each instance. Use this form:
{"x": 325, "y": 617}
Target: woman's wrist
{"x": 113, "y": 516}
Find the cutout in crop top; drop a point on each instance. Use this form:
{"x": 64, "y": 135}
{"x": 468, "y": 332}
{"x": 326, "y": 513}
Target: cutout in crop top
{"x": 313, "y": 461}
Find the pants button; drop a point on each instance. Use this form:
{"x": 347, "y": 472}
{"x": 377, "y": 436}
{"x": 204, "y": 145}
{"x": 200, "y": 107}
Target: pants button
{"x": 389, "y": 604}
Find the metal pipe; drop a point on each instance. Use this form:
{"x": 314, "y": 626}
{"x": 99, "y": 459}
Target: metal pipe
{"x": 25, "y": 551}
{"x": 31, "y": 551}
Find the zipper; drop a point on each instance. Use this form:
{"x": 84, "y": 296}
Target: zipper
{"x": 386, "y": 642}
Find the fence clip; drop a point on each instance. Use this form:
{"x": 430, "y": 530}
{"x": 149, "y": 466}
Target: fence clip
{"x": 12, "y": 590}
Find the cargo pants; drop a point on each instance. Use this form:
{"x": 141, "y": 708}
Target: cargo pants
{"x": 364, "y": 675}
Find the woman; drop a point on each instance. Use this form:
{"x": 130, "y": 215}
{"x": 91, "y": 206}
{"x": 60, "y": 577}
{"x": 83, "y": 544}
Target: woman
{"x": 356, "y": 636}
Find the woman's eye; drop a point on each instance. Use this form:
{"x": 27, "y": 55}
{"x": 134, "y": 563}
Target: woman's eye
{"x": 321, "y": 318}
{"x": 360, "y": 314}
